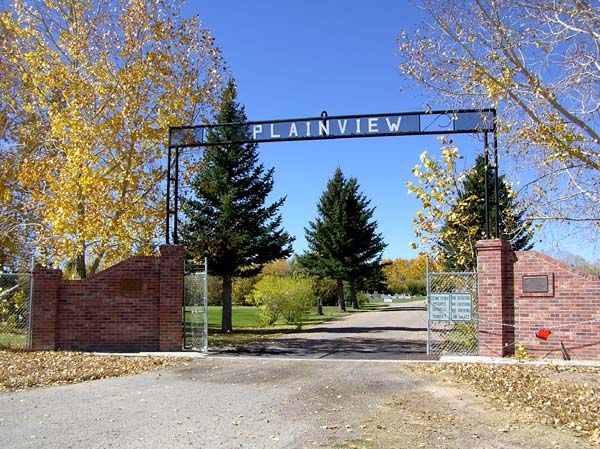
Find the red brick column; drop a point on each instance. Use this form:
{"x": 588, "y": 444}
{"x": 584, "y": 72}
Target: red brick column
{"x": 171, "y": 297}
{"x": 44, "y": 308}
{"x": 496, "y": 297}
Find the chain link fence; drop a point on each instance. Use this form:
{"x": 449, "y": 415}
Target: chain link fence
{"x": 15, "y": 310}
{"x": 195, "y": 310}
{"x": 452, "y": 311}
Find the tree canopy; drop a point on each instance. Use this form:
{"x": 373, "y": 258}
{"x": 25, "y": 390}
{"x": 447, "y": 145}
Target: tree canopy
{"x": 538, "y": 63}
{"x": 452, "y": 218}
{"x": 88, "y": 90}
{"x": 465, "y": 224}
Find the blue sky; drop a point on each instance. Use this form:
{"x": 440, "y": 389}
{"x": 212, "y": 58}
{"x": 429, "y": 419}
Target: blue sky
{"x": 296, "y": 59}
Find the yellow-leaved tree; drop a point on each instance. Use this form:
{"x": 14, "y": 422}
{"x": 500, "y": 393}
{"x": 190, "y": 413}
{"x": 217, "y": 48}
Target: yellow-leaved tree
{"x": 93, "y": 86}
{"x": 538, "y": 63}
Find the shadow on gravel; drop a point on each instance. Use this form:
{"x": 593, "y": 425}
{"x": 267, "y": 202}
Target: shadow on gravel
{"x": 339, "y": 348}
{"x": 363, "y": 330}
{"x": 404, "y": 309}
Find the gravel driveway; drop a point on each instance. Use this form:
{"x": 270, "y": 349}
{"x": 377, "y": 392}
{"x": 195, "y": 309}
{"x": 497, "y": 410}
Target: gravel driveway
{"x": 396, "y": 332}
{"x": 225, "y": 402}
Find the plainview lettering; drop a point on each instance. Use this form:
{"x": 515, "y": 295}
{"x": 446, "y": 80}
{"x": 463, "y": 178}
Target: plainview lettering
{"x": 330, "y": 127}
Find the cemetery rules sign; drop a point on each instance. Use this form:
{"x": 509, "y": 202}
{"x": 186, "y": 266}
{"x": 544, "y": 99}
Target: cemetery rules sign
{"x": 439, "y": 307}
{"x": 450, "y": 307}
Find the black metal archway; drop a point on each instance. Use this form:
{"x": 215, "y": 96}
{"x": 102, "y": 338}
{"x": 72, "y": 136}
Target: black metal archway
{"x": 460, "y": 121}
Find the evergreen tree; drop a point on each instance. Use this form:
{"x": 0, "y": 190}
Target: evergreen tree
{"x": 343, "y": 243}
{"x": 227, "y": 218}
{"x": 466, "y": 221}
{"x": 365, "y": 245}
{"x": 326, "y": 237}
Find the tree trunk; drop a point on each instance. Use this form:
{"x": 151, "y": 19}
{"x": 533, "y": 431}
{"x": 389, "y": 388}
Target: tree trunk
{"x": 353, "y": 295}
{"x": 80, "y": 265}
{"x": 226, "y": 323}
{"x": 340, "y": 293}
{"x": 96, "y": 264}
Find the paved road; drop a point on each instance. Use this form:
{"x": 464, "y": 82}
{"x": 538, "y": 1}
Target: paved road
{"x": 212, "y": 403}
{"x": 396, "y": 332}
{"x": 259, "y": 403}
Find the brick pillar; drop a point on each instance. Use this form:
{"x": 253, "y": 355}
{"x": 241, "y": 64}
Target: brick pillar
{"x": 44, "y": 308}
{"x": 496, "y": 298}
{"x": 171, "y": 297}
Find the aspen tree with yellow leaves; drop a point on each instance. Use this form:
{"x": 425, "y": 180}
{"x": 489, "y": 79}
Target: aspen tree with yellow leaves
{"x": 538, "y": 63}
{"x": 452, "y": 218}
{"x": 89, "y": 89}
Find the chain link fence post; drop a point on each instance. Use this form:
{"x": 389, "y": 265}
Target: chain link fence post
{"x": 15, "y": 310}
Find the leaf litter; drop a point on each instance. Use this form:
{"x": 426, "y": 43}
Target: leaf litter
{"x": 539, "y": 391}
{"x": 23, "y": 370}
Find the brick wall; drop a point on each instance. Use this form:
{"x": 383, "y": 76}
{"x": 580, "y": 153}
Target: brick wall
{"x": 135, "y": 305}
{"x": 571, "y": 297}
{"x": 495, "y": 302}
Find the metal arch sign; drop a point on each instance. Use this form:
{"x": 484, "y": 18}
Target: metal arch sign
{"x": 465, "y": 121}
{"x": 458, "y": 121}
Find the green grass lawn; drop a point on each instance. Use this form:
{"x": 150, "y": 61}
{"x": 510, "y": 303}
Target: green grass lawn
{"x": 246, "y": 328}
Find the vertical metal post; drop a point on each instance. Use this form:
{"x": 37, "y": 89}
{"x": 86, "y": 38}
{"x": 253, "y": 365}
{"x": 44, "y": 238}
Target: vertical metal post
{"x": 486, "y": 197}
{"x": 205, "y": 343}
{"x": 428, "y": 306}
{"x": 496, "y": 181}
{"x": 168, "y": 208}
{"x": 176, "y": 199}
{"x": 30, "y": 299}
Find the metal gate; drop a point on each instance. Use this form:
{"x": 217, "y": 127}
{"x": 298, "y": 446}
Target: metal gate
{"x": 452, "y": 313}
{"x": 195, "y": 310}
{"x": 15, "y": 310}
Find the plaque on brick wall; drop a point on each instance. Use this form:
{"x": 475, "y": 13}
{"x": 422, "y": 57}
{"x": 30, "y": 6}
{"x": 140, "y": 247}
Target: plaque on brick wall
{"x": 131, "y": 285}
{"x": 536, "y": 284}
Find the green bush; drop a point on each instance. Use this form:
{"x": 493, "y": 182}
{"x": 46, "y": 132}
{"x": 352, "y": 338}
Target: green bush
{"x": 242, "y": 290}
{"x": 290, "y": 297}
{"x": 363, "y": 298}
{"x": 266, "y": 315}
{"x": 326, "y": 289}
{"x": 416, "y": 287}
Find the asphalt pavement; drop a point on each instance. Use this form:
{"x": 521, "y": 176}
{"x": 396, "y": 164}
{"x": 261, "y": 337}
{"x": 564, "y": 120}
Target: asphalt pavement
{"x": 211, "y": 403}
{"x": 397, "y": 332}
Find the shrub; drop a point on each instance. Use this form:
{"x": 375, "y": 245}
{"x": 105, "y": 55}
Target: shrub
{"x": 290, "y": 297}
{"x": 326, "y": 289}
{"x": 363, "y": 298}
{"x": 266, "y": 315}
{"x": 416, "y": 287}
{"x": 242, "y": 290}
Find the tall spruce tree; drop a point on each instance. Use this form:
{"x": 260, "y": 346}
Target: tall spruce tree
{"x": 365, "y": 245}
{"x": 466, "y": 221}
{"x": 343, "y": 242}
{"x": 227, "y": 218}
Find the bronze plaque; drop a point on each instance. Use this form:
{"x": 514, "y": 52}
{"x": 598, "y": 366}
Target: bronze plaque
{"x": 131, "y": 285}
{"x": 535, "y": 284}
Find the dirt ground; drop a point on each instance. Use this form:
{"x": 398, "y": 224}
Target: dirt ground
{"x": 445, "y": 416}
